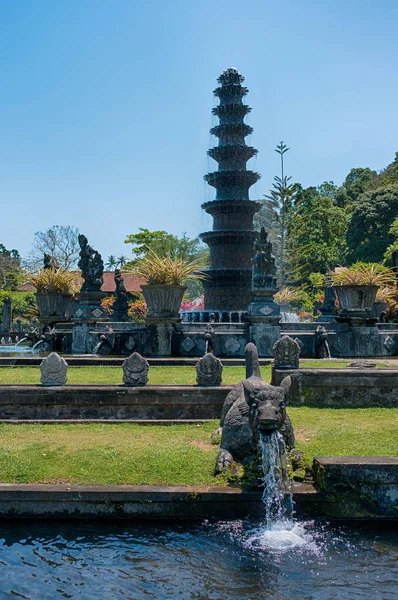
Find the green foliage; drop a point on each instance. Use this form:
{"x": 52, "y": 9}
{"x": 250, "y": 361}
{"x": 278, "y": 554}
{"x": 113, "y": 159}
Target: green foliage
{"x": 317, "y": 281}
{"x": 166, "y": 244}
{"x": 10, "y": 268}
{"x": 356, "y": 183}
{"x": 138, "y": 310}
{"x": 345, "y": 432}
{"x": 129, "y": 453}
{"x": 21, "y": 302}
{"x": 162, "y": 243}
{"x": 373, "y": 214}
{"x": 393, "y": 232}
{"x": 275, "y": 213}
{"x": 316, "y": 235}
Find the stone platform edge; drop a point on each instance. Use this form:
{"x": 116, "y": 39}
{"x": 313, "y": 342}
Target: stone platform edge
{"x": 63, "y": 501}
{"x": 348, "y": 487}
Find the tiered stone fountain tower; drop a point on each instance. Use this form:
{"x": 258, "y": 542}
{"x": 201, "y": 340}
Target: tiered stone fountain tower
{"x": 231, "y": 241}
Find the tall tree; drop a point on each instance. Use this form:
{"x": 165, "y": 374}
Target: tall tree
{"x": 316, "y": 235}
{"x": 162, "y": 243}
{"x": 368, "y": 235}
{"x": 112, "y": 262}
{"x": 60, "y": 242}
{"x": 393, "y": 231}
{"x": 277, "y": 205}
{"x": 121, "y": 261}
{"x": 10, "y": 268}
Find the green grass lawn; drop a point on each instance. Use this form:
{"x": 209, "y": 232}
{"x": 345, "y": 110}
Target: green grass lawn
{"x": 179, "y": 454}
{"x": 157, "y": 375}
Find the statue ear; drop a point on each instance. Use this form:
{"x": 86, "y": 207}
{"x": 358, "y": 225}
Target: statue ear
{"x": 249, "y": 391}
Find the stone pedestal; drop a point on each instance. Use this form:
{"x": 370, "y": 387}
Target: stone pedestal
{"x": 158, "y": 336}
{"x": 263, "y": 309}
{"x": 81, "y": 339}
{"x": 264, "y": 336}
{"x": 264, "y": 316}
{"x": 89, "y": 309}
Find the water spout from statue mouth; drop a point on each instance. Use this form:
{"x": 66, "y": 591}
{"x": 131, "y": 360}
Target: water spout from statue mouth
{"x": 267, "y": 425}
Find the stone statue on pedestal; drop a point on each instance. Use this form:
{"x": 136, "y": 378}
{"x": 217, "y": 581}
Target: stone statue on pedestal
{"x": 263, "y": 269}
{"x": 6, "y": 320}
{"x": 121, "y": 304}
{"x": 91, "y": 265}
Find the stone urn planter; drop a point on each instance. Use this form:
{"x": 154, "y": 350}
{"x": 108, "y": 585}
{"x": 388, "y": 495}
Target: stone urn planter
{"x": 378, "y": 308}
{"x": 356, "y": 297}
{"x": 52, "y": 305}
{"x": 163, "y": 301}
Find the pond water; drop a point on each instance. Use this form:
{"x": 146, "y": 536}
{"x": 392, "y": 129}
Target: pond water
{"x": 208, "y": 560}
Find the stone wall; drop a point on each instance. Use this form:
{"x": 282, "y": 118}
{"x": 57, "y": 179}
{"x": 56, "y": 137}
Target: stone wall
{"x": 99, "y": 402}
{"x": 358, "y": 486}
{"x": 339, "y": 388}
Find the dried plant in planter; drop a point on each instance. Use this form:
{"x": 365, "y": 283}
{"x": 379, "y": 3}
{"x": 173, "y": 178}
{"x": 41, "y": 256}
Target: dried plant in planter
{"x": 372, "y": 274}
{"x": 55, "y": 281}
{"x": 166, "y": 270}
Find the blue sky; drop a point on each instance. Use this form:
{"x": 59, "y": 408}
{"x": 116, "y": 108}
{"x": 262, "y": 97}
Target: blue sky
{"x": 105, "y": 106}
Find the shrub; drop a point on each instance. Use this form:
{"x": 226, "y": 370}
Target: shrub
{"x": 138, "y": 310}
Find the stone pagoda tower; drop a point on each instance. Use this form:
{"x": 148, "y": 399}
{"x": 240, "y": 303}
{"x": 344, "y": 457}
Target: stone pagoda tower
{"x": 231, "y": 241}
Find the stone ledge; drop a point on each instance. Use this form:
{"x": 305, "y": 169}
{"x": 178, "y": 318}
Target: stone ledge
{"x": 365, "y": 486}
{"x": 119, "y": 402}
{"x": 340, "y": 388}
{"x": 138, "y": 502}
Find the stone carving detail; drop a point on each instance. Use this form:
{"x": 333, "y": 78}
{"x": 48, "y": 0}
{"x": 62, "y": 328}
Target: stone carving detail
{"x": 121, "y": 304}
{"x": 97, "y": 312}
{"x": 232, "y": 345}
{"x": 250, "y": 405}
{"x": 389, "y": 343}
{"x": 328, "y": 308}
{"x": 49, "y": 337}
{"x": 135, "y": 370}
{"x": 321, "y": 343}
{"x": 286, "y": 353}
{"x": 6, "y": 320}
{"x": 188, "y": 344}
{"x": 209, "y": 332}
{"x": 91, "y": 266}
{"x": 130, "y": 344}
{"x": 209, "y": 370}
{"x": 106, "y": 342}
{"x": 53, "y": 370}
{"x": 263, "y": 263}
{"x": 49, "y": 262}
{"x": 80, "y": 339}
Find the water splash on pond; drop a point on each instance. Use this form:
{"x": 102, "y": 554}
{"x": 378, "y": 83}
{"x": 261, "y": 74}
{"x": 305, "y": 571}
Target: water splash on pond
{"x": 279, "y": 532}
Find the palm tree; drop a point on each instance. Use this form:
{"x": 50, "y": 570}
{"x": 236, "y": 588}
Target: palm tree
{"x": 121, "y": 261}
{"x": 278, "y": 203}
{"x": 112, "y": 262}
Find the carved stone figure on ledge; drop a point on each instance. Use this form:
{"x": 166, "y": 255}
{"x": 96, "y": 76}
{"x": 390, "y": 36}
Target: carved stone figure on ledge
{"x": 91, "y": 266}
{"x": 135, "y": 370}
{"x": 121, "y": 304}
{"x": 209, "y": 370}
{"x": 263, "y": 269}
{"x": 286, "y": 353}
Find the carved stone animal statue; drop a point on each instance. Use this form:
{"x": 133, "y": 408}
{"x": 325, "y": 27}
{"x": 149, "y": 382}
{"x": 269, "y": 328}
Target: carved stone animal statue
{"x": 250, "y": 406}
